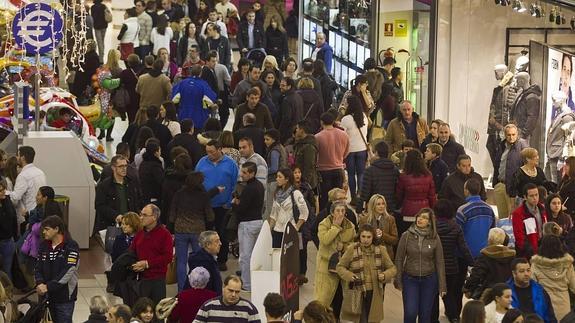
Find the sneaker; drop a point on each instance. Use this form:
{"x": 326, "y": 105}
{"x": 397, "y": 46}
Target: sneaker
{"x": 222, "y": 267}
{"x": 110, "y": 289}
{"x": 239, "y": 273}
{"x": 302, "y": 280}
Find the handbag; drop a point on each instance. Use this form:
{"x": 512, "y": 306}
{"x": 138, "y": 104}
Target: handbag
{"x": 111, "y": 233}
{"x": 355, "y": 297}
{"x": 171, "y": 276}
{"x": 47, "y": 317}
{"x": 121, "y": 100}
{"x": 333, "y": 261}
{"x": 108, "y": 17}
{"x": 125, "y": 50}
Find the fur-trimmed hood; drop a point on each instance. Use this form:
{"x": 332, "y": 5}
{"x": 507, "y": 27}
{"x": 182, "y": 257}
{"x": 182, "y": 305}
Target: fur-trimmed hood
{"x": 498, "y": 252}
{"x": 553, "y": 267}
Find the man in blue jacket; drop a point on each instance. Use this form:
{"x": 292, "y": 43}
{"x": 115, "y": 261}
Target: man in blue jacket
{"x": 219, "y": 170}
{"x": 204, "y": 257}
{"x": 191, "y": 92}
{"x": 528, "y": 295}
{"x": 323, "y": 51}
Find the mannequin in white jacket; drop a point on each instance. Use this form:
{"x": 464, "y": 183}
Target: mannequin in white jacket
{"x": 498, "y": 300}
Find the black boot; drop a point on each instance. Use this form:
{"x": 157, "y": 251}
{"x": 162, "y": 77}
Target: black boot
{"x": 102, "y": 134}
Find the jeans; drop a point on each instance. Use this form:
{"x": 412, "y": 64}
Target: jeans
{"x": 248, "y": 232}
{"x": 62, "y": 312}
{"x": 221, "y": 224}
{"x": 100, "y": 36}
{"x": 182, "y": 242}
{"x": 355, "y": 165}
{"x": 7, "y": 249}
{"x": 269, "y": 202}
{"x": 329, "y": 179}
{"x": 453, "y": 299}
{"x": 366, "y": 306}
{"x": 143, "y": 50}
{"x": 418, "y": 296}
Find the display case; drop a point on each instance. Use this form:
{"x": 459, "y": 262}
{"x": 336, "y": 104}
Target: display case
{"x": 346, "y": 24}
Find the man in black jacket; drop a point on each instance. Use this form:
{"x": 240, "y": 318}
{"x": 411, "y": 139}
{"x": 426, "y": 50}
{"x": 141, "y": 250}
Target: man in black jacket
{"x": 57, "y": 269}
{"x": 160, "y": 131}
{"x": 379, "y": 178}
{"x": 187, "y": 140}
{"x": 452, "y": 188}
{"x": 251, "y": 131}
{"x": 451, "y": 149}
{"x": 251, "y": 34}
{"x": 206, "y": 257}
{"x": 248, "y": 208}
{"x": 116, "y": 195}
{"x": 291, "y": 109}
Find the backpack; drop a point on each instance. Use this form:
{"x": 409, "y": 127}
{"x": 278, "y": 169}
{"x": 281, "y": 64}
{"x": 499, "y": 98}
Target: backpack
{"x": 108, "y": 15}
{"x": 295, "y": 209}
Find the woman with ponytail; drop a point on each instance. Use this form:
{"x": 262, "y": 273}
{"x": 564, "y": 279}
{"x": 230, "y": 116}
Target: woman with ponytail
{"x": 497, "y": 300}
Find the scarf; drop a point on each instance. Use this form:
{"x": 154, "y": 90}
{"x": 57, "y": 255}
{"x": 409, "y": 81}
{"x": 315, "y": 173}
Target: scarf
{"x": 282, "y": 195}
{"x": 357, "y": 263}
{"x": 421, "y": 232}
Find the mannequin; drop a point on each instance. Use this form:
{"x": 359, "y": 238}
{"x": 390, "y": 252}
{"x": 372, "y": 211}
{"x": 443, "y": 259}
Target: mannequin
{"x": 498, "y": 112}
{"x": 511, "y": 90}
{"x": 569, "y": 148}
{"x": 525, "y": 110}
{"x": 522, "y": 64}
{"x": 556, "y": 136}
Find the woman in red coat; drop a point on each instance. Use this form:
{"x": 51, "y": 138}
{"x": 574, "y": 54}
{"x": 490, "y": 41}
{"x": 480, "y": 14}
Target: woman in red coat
{"x": 415, "y": 189}
{"x": 190, "y": 300}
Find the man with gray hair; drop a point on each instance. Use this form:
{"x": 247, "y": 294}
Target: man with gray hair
{"x": 153, "y": 247}
{"x": 119, "y": 314}
{"x": 98, "y": 309}
{"x": 206, "y": 257}
{"x": 250, "y": 130}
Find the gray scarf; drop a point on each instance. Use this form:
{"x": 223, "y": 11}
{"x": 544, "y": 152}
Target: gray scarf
{"x": 282, "y": 195}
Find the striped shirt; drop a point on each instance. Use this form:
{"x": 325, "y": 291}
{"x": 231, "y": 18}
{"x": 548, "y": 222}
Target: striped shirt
{"x": 215, "y": 310}
{"x": 476, "y": 218}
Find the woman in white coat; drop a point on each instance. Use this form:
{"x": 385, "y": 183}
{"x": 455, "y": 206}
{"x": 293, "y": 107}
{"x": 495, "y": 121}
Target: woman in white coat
{"x": 497, "y": 300}
{"x": 287, "y": 201}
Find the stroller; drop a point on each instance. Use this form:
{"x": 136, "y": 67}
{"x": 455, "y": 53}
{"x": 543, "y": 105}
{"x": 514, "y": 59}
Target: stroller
{"x": 36, "y": 311}
{"x": 256, "y": 56}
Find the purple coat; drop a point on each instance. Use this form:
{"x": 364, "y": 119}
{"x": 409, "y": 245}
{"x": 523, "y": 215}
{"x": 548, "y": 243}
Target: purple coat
{"x": 32, "y": 241}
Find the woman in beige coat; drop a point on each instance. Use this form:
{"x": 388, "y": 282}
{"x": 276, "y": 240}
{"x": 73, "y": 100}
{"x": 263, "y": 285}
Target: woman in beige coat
{"x": 384, "y": 224}
{"x": 552, "y": 267}
{"x": 335, "y": 233}
{"x": 365, "y": 267}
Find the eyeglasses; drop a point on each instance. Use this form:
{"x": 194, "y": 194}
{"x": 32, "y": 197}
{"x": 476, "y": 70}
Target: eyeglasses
{"x": 144, "y": 215}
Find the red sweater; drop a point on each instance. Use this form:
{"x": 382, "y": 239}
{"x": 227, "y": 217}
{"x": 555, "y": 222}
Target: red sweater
{"x": 156, "y": 247}
{"x": 189, "y": 302}
{"x": 333, "y": 147}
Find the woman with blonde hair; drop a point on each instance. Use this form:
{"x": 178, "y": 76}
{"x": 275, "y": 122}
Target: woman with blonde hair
{"x": 271, "y": 64}
{"x": 109, "y": 80}
{"x": 335, "y": 233}
{"x": 366, "y": 267}
{"x": 383, "y": 222}
{"x": 530, "y": 172}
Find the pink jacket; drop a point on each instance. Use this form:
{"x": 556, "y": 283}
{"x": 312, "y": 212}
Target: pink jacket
{"x": 32, "y": 241}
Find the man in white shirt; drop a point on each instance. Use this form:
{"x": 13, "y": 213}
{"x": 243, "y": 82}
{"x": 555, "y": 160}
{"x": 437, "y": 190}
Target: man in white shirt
{"x": 213, "y": 18}
{"x": 28, "y": 182}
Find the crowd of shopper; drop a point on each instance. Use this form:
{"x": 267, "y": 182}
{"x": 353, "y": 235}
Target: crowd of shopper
{"x": 404, "y": 208}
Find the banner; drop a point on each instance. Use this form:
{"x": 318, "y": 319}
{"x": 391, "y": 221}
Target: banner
{"x": 289, "y": 270}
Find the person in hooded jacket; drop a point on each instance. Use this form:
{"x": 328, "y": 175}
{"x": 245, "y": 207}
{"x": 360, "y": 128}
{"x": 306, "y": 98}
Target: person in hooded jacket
{"x": 380, "y": 177}
{"x": 305, "y": 153}
{"x": 151, "y": 174}
{"x": 492, "y": 266}
{"x": 420, "y": 270}
{"x": 552, "y": 267}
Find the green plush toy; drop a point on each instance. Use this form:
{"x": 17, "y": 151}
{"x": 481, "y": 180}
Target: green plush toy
{"x": 110, "y": 83}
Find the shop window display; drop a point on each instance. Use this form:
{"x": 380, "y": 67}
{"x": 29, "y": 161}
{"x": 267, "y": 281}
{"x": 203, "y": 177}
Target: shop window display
{"x": 347, "y": 28}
